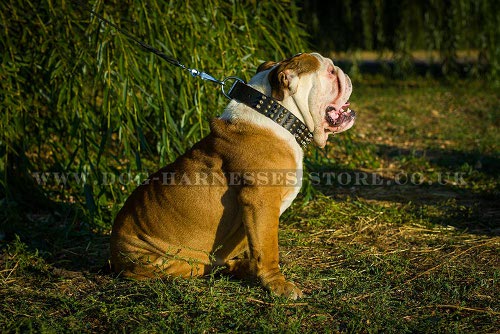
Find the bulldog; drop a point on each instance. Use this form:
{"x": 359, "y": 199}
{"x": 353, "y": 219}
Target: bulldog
{"x": 219, "y": 204}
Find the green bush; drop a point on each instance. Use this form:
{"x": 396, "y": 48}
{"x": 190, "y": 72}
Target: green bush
{"x": 79, "y": 97}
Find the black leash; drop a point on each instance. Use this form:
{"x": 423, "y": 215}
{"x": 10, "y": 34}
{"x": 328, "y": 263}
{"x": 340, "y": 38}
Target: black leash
{"x": 239, "y": 90}
{"x": 147, "y": 47}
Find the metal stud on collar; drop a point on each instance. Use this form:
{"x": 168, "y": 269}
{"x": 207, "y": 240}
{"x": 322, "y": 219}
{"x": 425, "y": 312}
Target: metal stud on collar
{"x": 268, "y": 107}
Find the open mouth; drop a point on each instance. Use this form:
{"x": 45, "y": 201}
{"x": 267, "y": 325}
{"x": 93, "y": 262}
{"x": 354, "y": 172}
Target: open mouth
{"x": 336, "y": 118}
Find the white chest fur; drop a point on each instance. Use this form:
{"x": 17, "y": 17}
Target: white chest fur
{"x": 238, "y": 111}
{"x": 288, "y": 199}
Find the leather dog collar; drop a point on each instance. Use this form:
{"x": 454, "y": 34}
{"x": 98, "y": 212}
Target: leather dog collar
{"x": 270, "y": 108}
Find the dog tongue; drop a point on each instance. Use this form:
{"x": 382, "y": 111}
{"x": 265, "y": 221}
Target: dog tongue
{"x": 332, "y": 117}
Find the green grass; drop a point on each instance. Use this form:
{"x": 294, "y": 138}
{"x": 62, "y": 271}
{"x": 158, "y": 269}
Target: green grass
{"x": 390, "y": 258}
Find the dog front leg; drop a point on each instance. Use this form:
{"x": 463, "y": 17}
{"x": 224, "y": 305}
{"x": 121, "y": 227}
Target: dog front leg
{"x": 261, "y": 210}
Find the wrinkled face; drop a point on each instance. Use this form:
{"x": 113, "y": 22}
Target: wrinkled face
{"x": 319, "y": 90}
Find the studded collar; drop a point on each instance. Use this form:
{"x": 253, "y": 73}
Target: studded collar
{"x": 270, "y": 108}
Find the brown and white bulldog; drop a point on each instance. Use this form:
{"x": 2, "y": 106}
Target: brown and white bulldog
{"x": 219, "y": 204}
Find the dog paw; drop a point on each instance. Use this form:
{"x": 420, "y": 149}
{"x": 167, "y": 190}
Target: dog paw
{"x": 283, "y": 288}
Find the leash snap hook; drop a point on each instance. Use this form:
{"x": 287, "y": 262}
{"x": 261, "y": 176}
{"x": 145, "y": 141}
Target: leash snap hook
{"x": 203, "y": 76}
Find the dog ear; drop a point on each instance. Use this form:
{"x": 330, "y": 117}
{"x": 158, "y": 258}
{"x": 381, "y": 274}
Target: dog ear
{"x": 287, "y": 79}
{"x": 265, "y": 66}
{"x": 286, "y": 75}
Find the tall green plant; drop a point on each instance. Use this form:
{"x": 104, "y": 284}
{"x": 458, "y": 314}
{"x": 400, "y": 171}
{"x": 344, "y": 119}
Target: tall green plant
{"x": 78, "y": 97}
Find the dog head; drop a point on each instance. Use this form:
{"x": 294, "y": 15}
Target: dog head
{"x": 314, "y": 89}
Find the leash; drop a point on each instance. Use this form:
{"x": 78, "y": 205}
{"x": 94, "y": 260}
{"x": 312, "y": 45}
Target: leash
{"x": 239, "y": 90}
{"x": 147, "y": 47}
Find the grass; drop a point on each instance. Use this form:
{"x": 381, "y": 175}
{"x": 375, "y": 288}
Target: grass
{"x": 396, "y": 258}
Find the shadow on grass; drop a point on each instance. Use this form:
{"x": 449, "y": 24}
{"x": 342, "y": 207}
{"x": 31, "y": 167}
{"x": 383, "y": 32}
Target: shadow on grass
{"x": 453, "y": 160}
{"x": 60, "y": 236}
{"x": 56, "y": 230}
{"x": 445, "y": 187}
